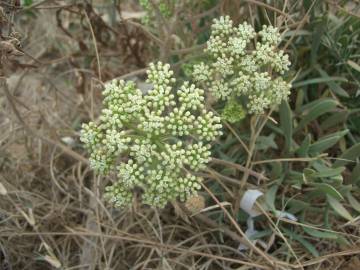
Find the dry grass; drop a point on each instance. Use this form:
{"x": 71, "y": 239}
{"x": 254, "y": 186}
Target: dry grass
{"x": 52, "y": 215}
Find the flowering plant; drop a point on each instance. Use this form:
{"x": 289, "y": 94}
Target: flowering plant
{"x": 158, "y": 138}
{"x": 244, "y": 66}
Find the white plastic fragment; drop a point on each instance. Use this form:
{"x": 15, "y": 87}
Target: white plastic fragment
{"x": 248, "y": 200}
{"x": 249, "y": 232}
{"x": 283, "y": 214}
{"x": 247, "y": 204}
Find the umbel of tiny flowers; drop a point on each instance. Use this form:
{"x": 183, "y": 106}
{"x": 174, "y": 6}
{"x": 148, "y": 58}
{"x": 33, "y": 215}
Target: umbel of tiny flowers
{"x": 244, "y": 65}
{"x": 154, "y": 141}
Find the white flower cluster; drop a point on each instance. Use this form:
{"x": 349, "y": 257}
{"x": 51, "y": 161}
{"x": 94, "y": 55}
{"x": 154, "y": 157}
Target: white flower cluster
{"x": 159, "y": 138}
{"x": 240, "y": 68}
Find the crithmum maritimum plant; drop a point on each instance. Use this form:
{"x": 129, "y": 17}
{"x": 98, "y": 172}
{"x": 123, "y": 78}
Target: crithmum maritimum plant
{"x": 244, "y": 68}
{"x": 154, "y": 141}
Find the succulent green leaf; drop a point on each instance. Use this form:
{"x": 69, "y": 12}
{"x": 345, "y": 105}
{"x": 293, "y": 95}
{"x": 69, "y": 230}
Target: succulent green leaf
{"x": 339, "y": 208}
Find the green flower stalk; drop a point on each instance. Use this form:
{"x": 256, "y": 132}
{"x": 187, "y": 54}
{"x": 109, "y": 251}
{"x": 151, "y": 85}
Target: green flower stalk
{"x": 154, "y": 141}
{"x": 244, "y": 65}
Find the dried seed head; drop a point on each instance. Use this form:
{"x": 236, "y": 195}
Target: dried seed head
{"x": 195, "y": 204}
